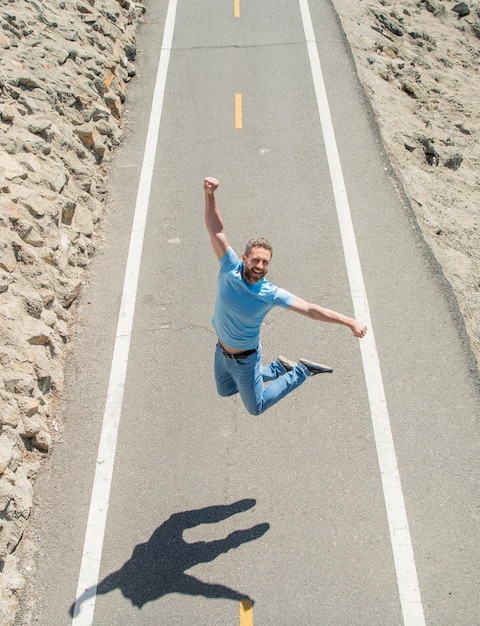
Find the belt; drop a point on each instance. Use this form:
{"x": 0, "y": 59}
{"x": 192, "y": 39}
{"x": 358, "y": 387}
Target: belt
{"x": 238, "y": 355}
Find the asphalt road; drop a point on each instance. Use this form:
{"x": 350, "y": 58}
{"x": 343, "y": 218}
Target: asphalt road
{"x": 355, "y": 500}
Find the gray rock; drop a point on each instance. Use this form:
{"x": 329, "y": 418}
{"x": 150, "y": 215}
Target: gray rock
{"x": 43, "y": 440}
{"x": 387, "y": 22}
{"x": 39, "y": 126}
{"x": 62, "y": 65}
{"x": 434, "y": 7}
{"x": 5, "y": 281}
{"x": 476, "y": 29}
{"x": 431, "y": 154}
{"x": 19, "y": 383}
{"x": 454, "y": 161}
{"x": 8, "y": 113}
{"x": 11, "y": 168}
{"x": 36, "y": 332}
{"x": 8, "y": 258}
{"x": 461, "y": 9}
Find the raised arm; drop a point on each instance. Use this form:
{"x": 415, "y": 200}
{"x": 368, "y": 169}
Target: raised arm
{"x": 213, "y": 218}
{"x": 320, "y": 314}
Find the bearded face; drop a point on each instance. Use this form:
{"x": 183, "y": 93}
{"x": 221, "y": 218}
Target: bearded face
{"x": 256, "y": 264}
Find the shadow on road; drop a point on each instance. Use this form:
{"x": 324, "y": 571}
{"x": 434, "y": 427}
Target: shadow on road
{"x": 158, "y": 566}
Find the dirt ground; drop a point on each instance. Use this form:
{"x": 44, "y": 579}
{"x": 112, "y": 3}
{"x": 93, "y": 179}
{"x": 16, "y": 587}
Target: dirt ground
{"x": 419, "y": 63}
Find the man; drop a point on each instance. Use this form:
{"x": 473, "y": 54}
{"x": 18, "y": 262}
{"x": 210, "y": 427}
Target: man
{"x": 244, "y": 298}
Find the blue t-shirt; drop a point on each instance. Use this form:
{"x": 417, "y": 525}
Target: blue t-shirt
{"x": 240, "y": 307}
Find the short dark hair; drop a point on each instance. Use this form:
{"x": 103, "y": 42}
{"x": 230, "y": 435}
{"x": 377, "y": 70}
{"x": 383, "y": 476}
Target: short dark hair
{"x": 258, "y": 242}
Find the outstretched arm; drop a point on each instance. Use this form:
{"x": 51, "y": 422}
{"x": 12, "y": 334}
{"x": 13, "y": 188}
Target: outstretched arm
{"x": 213, "y": 218}
{"x": 320, "y": 314}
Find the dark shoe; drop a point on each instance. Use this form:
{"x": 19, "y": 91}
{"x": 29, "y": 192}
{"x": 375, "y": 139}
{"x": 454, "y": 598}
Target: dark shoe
{"x": 315, "y": 368}
{"x": 287, "y": 363}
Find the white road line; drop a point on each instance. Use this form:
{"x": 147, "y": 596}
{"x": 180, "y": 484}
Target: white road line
{"x": 92, "y": 551}
{"x": 407, "y": 581}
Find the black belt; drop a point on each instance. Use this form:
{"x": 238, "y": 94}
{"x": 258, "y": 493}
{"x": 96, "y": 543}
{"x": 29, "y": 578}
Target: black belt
{"x": 238, "y": 355}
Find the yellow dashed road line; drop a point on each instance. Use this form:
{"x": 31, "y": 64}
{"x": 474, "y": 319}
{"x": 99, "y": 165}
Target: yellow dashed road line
{"x": 246, "y": 613}
{"x": 238, "y": 111}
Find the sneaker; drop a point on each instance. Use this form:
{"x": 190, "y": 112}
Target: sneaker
{"x": 315, "y": 368}
{"x": 287, "y": 363}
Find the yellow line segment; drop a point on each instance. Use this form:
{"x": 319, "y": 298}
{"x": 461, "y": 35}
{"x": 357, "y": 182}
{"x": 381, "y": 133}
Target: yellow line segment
{"x": 236, "y": 8}
{"x": 246, "y": 613}
{"x": 238, "y": 111}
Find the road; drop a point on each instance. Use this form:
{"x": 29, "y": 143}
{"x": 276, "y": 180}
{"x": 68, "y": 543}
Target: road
{"x": 355, "y": 500}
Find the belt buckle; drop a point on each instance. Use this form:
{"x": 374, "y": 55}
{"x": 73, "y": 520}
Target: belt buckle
{"x": 228, "y": 354}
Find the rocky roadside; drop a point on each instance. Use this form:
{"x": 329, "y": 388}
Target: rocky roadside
{"x": 419, "y": 63}
{"x": 64, "y": 68}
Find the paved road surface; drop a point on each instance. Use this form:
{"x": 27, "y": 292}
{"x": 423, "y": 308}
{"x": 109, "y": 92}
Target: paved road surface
{"x": 355, "y": 500}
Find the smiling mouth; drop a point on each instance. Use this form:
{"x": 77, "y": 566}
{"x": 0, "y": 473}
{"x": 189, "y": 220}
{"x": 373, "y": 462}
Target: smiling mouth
{"x": 254, "y": 276}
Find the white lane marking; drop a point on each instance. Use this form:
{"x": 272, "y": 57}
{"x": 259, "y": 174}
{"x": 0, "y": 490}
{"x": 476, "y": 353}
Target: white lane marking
{"x": 407, "y": 580}
{"x": 92, "y": 551}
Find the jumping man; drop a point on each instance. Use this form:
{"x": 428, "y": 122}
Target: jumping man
{"x": 244, "y": 298}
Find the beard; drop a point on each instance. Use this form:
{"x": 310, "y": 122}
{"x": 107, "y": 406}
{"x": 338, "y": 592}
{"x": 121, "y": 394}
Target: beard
{"x": 252, "y": 277}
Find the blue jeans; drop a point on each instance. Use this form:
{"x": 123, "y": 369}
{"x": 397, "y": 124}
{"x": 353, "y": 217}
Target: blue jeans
{"x": 247, "y": 377}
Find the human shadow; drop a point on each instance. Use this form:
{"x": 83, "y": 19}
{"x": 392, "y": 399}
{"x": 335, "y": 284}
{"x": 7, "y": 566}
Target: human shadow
{"x": 158, "y": 566}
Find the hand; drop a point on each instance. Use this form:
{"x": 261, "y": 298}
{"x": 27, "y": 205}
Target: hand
{"x": 359, "y": 329}
{"x": 210, "y": 184}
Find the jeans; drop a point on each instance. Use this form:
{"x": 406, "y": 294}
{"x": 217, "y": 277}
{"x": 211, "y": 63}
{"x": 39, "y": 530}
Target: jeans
{"x": 247, "y": 377}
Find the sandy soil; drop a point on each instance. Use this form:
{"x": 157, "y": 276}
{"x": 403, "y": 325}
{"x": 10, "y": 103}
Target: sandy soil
{"x": 419, "y": 63}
